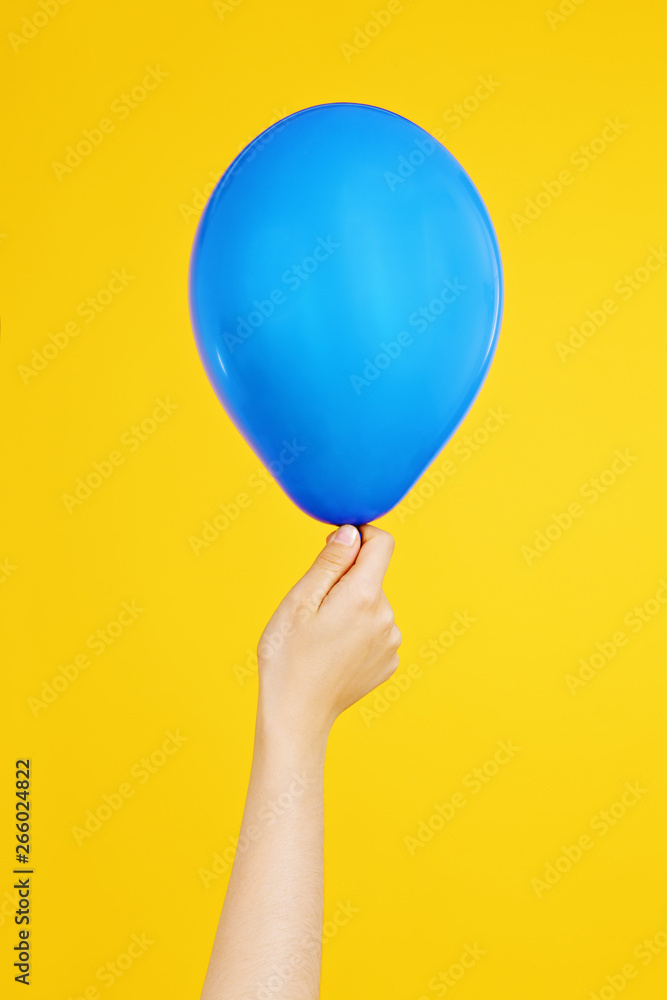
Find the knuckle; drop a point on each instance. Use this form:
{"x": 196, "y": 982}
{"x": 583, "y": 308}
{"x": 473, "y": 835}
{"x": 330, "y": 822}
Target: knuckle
{"x": 328, "y": 561}
{"x": 366, "y": 595}
{"x": 370, "y": 531}
{"x": 291, "y": 605}
{"x": 381, "y": 535}
{"x": 304, "y": 609}
{"x": 387, "y": 618}
{"x": 386, "y": 537}
{"x": 290, "y": 601}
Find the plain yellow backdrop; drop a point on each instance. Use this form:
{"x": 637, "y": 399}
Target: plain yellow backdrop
{"x": 504, "y": 875}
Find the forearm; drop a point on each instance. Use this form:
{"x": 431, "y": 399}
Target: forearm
{"x": 330, "y": 641}
{"x": 268, "y": 941}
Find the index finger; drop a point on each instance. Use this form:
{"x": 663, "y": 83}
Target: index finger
{"x": 373, "y": 559}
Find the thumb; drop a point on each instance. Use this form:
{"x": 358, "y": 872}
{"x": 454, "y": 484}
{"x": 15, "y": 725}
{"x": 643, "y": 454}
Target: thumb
{"x": 333, "y": 562}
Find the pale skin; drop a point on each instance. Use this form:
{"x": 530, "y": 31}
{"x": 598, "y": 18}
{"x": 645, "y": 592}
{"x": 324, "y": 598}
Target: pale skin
{"x": 331, "y": 640}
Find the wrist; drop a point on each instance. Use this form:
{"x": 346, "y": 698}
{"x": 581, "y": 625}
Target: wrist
{"x": 291, "y": 740}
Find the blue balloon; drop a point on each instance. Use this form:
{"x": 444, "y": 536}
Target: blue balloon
{"x": 346, "y": 294}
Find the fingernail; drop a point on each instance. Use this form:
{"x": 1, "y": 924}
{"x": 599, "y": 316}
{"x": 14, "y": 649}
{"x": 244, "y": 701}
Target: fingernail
{"x": 346, "y": 535}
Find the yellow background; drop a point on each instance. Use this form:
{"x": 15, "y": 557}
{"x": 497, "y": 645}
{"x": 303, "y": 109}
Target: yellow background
{"x": 230, "y": 73}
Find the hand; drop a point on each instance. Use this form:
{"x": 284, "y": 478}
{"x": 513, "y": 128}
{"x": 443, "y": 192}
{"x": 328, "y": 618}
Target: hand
{"x": 332, "y": 639}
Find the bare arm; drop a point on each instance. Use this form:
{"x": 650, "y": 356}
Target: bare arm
{"x": 331, "y": 641}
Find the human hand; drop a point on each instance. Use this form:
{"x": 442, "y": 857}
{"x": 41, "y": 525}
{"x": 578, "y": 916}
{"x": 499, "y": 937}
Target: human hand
{"x": 332, "y": 639}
